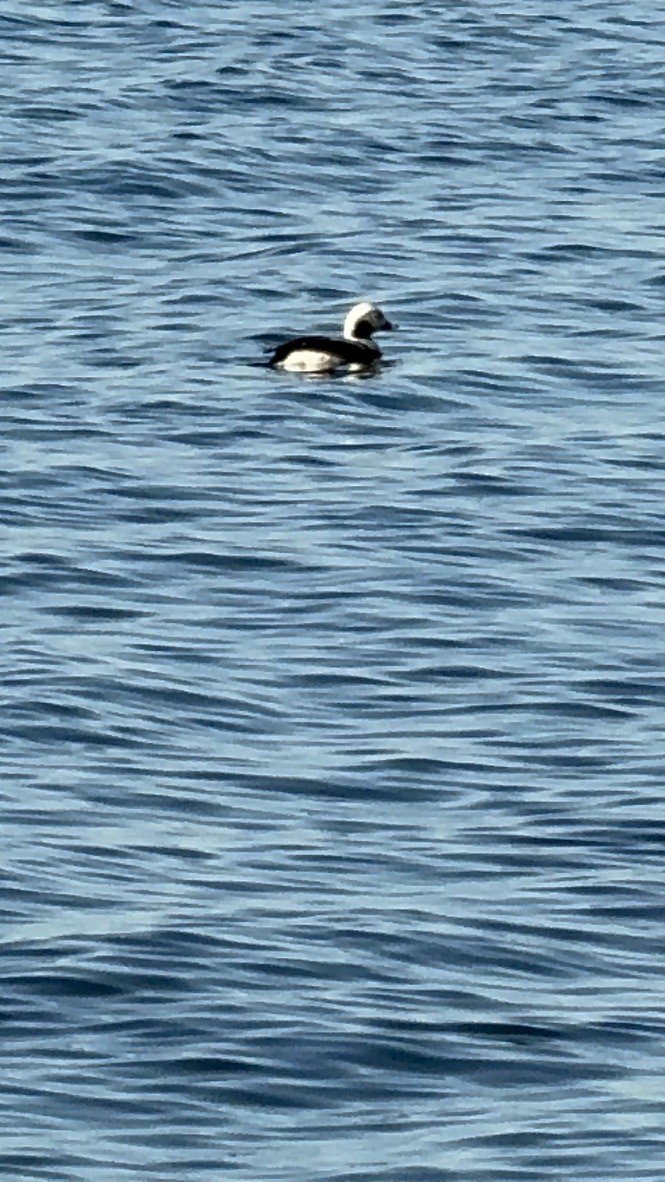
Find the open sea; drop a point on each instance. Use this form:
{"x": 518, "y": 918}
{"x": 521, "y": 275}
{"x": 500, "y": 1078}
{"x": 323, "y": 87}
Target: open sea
{"x": 332, "y": 753}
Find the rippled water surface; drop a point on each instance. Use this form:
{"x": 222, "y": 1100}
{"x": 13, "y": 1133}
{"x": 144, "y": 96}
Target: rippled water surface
{"x": 332, "y": 730}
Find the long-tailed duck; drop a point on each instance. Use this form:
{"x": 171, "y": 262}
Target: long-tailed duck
{"x": 355, "y": 350}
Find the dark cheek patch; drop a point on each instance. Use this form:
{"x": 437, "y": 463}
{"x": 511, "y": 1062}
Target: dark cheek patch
{"x": 363, "y": 330}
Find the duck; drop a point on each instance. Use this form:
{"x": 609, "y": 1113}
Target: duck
{"x": 354, "y": 350}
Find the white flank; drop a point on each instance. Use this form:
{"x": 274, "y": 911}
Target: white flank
{"x": 310, "y": 361}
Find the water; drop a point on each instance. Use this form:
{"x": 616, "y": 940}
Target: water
{"x": 332, "y": 745}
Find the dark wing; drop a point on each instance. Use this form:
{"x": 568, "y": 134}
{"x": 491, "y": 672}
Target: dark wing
{"x": 349, "y": 352}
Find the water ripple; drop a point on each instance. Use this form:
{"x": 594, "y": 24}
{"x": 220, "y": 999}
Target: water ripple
{"x": 331, "y": 741}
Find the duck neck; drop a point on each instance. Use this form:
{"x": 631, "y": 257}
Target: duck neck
{"x": 360, "y": 333}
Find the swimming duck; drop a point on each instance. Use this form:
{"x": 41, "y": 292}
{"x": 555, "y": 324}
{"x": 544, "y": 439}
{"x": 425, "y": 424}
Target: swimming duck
{"x": 354, "y": 350}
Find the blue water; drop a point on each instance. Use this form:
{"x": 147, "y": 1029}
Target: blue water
{"x": 333, "y": 822}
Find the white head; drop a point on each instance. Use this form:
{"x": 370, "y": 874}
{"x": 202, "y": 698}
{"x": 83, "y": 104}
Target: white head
{"x": 363, "y": 320}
